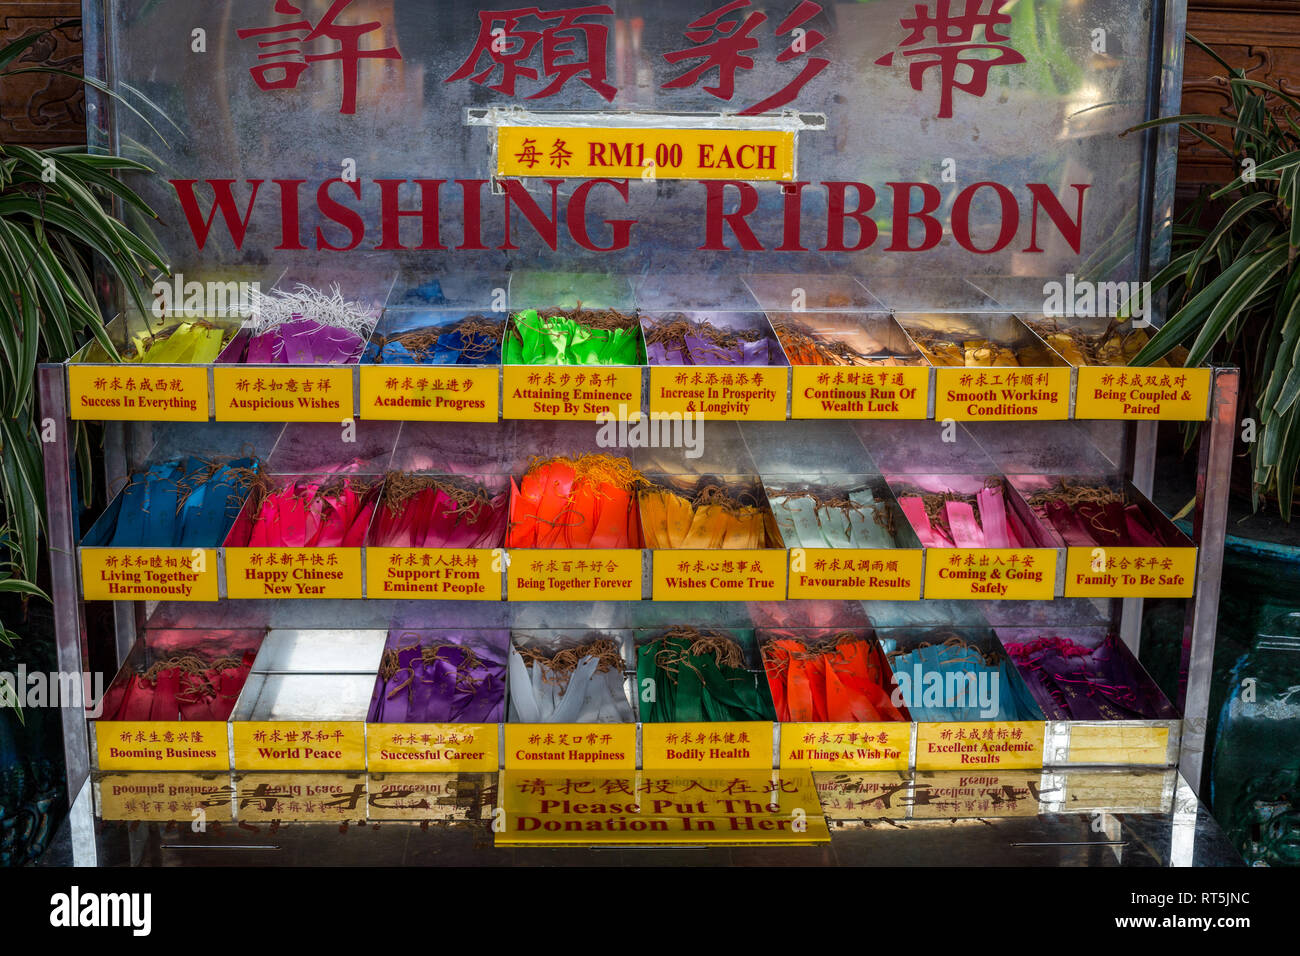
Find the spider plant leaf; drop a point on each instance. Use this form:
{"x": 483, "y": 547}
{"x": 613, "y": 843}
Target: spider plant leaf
{"x": 1246, "y": 289}
{"x": 1235, "y": 213}
{"x": 1184, "y": 322}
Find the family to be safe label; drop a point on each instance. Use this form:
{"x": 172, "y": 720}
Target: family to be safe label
{"x": 570, "y": 394}
{"x": 1130, "y": 572}
{"x": 394, "y": 393}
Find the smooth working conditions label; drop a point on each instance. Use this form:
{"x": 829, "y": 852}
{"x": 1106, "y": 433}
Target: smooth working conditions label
{"x": 999, "y": 395}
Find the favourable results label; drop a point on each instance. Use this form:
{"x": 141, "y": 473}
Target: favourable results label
{"x": 570, "y": 746}
{"x": 1181, "y": 394}
{"x": 704, "y": 575}
{"x": 431, "y": 747}
{"x": 149, "y": 574}
{"x": 162, "y": 745}
{"x": 745, "y": 745}
{"x": 435, "y": 574}
{"x": 578, "y": 575}
{"x": 880, "y": 746}
{"x": 248, "y": 393}
{"x": 570, "y": 394}
{"x": 899, "y": 393}
{"x": 723, "y": 393}
{"x": 404, "y": 393}
{"x": 293, "y": 572}
{"x": 299, "y": 745}
{"x": 1013, "y": 574}
{"x": 173, "y": 393}
{"x": 1004, "y": 745}
{"x": 1130, "y": 572}
{"x": 854, "y": 574}
{"x": 993, "y": 395}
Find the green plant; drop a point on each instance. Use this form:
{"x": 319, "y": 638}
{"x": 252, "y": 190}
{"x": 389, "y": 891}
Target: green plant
{"x": 1234, "y": 287}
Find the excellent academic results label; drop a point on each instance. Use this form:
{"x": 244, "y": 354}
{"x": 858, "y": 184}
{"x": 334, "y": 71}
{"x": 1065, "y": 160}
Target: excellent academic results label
{"x": 431, "y": 747}
{"x": 720, "y": 393}
{"x": 293, "y": 573}
{"x": 1013, "y": 574}
{"x": 149, "y": 574}
{"x": 138, "y": 393}
{"x": 1130, "y": 572}
{"x": 605, "y": 574}
{"x": 1177, "y": 394}
{"x": 570, "y": 394}
{"x": 570, "y": 746}
{"x": 893, "y": 393}
{"x": 731, "y": 745}
{"x": 434, "y": 574}
{"x": 299, "y": 745}
{"x": 965, "y": 745}
{"x": 1000, "y": 395}
{"x": 839, "y": 746}
{"x": 719, "y": 575}
{"x": 939, "y": 795}
{"x": 575, "y": 152}
{"x": 425, "y": 394}
{"x": 1119, "y": 743}
{"x": 162, "y": 745}
{"x": 165, "y": 796}
{"x": 856, "y": 574}
{"x": 252, "y": 393}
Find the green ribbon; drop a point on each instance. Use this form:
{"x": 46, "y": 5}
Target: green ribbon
{"x": 700, "y": 690}
{"x": 564, "y": 341}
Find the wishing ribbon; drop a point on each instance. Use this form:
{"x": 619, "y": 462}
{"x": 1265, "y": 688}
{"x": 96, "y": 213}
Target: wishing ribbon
{"x": 187, "y": 502}
{"x": 709, "y": 515}
{"x": 421, "y": 511}
{"x": 834, "y": 520}
{"x": 311, "y": 513}
{"x": 437, "y": 676}
{"x": 584, "y": 502}
{"x": 582, "y": 683}
{"x": 841, "y": 677}
{"x": 182, "y": 687}
{"x": 697, "y": 676}
{"x": 572, "y": 337}
{"x": 676, "y": 339}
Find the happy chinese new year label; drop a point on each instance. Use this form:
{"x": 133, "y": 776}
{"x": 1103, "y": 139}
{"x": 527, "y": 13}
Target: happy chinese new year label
{"x": 570, "y": 394}
{"x": 441, "y": 574}
{"x": 570, "y": 746}
{"x": 162, "y": 745}
{"x": 301, "y": 797}
{"x": 720, "y": 393}
{"x": 1177, "y": 394}
{"x": 249, "y": 393}
{"x": 1013, "y": 574}
{"x": 719, "y": 575}
{"x": 172, "y": 393}
{"x": 149, "y": 574}
{"x": 754, "y": 155}
{"x": 995, "y": 394}
{"x": 856, "y": 574}
{"x": 165, "y": 796}
{"x": 1130, "y": 572}
{"x": 419, "y": 394}
{"x": 1119, "y": 743}
{"x": 894, "y": 393}
{"x": 973, "y": 744}
{"x": 299, "y": 745}
{"x": 740, "y": 745}
{"x": 574, "y": 575}
{"x": 431, "y": 747}
{"x": 878, "y": 746}
{"x": 293, "y": 573}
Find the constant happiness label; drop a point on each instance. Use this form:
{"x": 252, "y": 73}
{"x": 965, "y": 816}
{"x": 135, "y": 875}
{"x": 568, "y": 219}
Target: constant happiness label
{"x": 293, "y": 573}
{"x": 1181, "y": 394}
{"x": 149, "y": 574}
{"x": 162, "y": 745}
{"x": 1130, "y": 572}
{"x": 1119, "y": 743}
{"x": 541, "y": 574}
{"x": 299, "y": 745}
{"x": 1013, "y": 574}
{"x": 570, "y": 746}
{"x": 316, "y": 393}
{"x": 839, "y": 746}
{"x": 433, "y": 394}
{"x": 999, "y": 395}
{"x": 718, "y": 575}
{"x": 434, "y": 574}
{"x": 723, "y": 393}
{"x": 570, "y": 394}
{"x": 431, "y": 747}
{"x": 897, "y": 393}
{"x": 965, "y": 745}
{"x": 856, "y": 574}
{"x": 145, "y": 393}
{"x": 731, "y": 745}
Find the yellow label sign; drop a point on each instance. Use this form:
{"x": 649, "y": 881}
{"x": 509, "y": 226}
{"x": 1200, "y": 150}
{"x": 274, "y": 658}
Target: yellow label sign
{"x": 1140, "y": 791}
{"x": 982, "y": 794}
{"x": 441, "y": 574}
{"x": 138, "y": 393}
{"x": 856, "y": 574}
{"x": 436, "y": 393}
{"x": 744, "y": 745}
{"x": 301, "y": 797}
{"x": 722, "y": 393}
{"x": 166, "y": 796}
{"x": 879, "y": 746}
{"x": 561, "y": 393}
{"x": 991, "y": 745}
{"x": 333, "y": 573}
{"x": 574, "y": 575}
{"x": 832, "y": 392}
{"x": 431, "y": 747}
{"x": 1173, "y": 394}
{"x": 858, "y": 796}
{"x": 1013, "y": 574}
{"x": 315, "y": 393}
{"x": 571, "y": 152}
{"x": 299, "y": 745}
{"x": 999, "y": 395}
{"x": 704, "y": 575}
{"x": 1117, "y": 744}
{"x": 570, "y": 746}
{"x": 162, "y": 745}
{"x": 428, "y": 796}
{"x": 1130, "y": 572}
{"x": 149, "y": 574}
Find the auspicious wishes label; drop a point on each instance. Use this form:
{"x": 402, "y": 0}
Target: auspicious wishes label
{"x": 252, "y": 394}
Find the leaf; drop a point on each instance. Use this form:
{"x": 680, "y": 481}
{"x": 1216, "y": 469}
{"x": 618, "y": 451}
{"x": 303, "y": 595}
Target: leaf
{"x": 1229, "y": 219}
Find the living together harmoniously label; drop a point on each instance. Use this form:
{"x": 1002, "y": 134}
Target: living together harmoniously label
{"x": 149, "y": 574}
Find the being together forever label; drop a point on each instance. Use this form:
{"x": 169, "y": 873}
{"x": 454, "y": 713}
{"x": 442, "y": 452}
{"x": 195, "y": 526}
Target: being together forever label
{"x": 607, "y": 574}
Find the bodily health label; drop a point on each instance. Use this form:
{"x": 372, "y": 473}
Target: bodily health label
{"x": 1130, "y": 572}
{"x": 139, "y": 393}
{"x": 999, "y": 395}
{"x": 162, "y": 745}
{"x": 879, "y": 746}
{"x": 435, "y": 574}
{"x": 743, "y": 745}
{"x": 1005, "y": 745}
{"x": 293, "y": 573}
{"x": 431, "y": 747}
{"x": 853, "y": 574}
{"x": 896, "y": 393}
{"x": 579, "y": 575}
{"x": 1012, "y": 574}
{"x": 721, "y": 393}
{"x": 425, "y": 394}
{"x": 315, "y": 393}
{"x": 717, "y": 575}
{"x": 149, "y": 574}
{"x": 299, "y": 745}
{"x": 570, "y": 746}
{"x": 1181, "y": 394}
{"x": 562, "y": 393}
